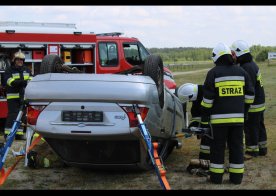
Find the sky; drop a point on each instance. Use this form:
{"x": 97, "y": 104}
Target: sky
{"x": 161, "y": 26}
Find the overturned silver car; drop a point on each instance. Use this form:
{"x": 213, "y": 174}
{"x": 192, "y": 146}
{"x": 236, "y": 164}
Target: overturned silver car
{"x": 88, "y": 119}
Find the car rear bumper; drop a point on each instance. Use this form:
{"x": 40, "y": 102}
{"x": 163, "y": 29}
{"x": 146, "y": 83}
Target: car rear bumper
{"x": 112, "y": 152}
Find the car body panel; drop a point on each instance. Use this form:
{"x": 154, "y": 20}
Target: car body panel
{"x": 107, "y": 93}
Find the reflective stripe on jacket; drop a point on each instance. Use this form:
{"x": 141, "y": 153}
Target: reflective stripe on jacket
{"x": 12, "y": 74}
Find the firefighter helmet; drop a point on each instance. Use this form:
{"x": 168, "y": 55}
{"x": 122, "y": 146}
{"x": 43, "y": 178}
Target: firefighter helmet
{"x": 187, "y": 92}
{"x": 219, "y": 50}
{"x": 240, "y": 47}
{"x": 19, "y": 55}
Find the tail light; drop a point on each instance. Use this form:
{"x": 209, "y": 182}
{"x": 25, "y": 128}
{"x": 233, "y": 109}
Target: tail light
{"x": 133, "y": 121}
{"x": 33, "y": 113}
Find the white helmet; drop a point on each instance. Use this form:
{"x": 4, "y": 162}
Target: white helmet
{"x": 187, "y": 92}
{"x": 240, "y": 47}
{"x": 219, "y": 50}
{"x": 19, "y": 55}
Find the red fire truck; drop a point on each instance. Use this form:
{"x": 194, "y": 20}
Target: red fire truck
{"x": 87, "y": 51}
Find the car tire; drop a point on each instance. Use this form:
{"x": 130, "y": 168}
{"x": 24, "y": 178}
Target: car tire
{"x": 153, "y": 67}
{"x": 51, "y": 64}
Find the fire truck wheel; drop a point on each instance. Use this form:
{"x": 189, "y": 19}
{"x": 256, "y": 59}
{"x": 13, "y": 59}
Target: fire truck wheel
{"x": 51, "y": 64}
{"x": 154, "y": 68}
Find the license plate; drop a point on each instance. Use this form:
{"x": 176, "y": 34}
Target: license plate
{"x": 82, "y": 116}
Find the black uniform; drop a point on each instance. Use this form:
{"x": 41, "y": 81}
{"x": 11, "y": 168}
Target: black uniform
{"x": 16, "y": 78}
{"x": 226, "y": 90}
{"x": 204, "y": 152}
{"x": 255, "y": 131}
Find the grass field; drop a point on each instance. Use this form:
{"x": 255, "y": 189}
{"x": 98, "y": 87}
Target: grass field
{"x": 188, "y": 66}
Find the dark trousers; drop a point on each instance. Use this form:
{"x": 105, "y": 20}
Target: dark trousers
{"x": 233, "y": 135}
{"x": 2, "y": 125}
{"x": 204, "y": 152}
{"x": 255, "y": 131}
{"x": 13, "y": 110}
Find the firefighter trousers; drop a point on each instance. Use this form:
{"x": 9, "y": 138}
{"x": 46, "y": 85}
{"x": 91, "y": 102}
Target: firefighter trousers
{"x": 255, "y": 134}
{"x": 204, "y": 151}
{"x": 233, "y": 135}
{"x": 2, "y": 125}
{"x": 13, "y": 109}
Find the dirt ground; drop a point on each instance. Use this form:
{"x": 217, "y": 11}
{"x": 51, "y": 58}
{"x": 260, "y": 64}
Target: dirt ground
{"x": 260, "y": 173}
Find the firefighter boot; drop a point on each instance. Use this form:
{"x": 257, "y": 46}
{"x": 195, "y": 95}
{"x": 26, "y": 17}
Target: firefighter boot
{"x": 262, "y": 151}
{"x": 20, "y": 137}
{"x": 252, "y": 153}
{"x": 216, "y": 178}
{"x": 235, "y": 178}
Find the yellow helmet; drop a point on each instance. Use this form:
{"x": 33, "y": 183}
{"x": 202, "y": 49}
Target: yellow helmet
{"x": 18, "y": 55}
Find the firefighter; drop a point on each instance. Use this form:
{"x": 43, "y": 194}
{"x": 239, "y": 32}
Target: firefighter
{"x": 226, "y": 91}
{"x": 255, "y": 131}
{"x": 193, "y": 92}
{"x": 16, "y": 78}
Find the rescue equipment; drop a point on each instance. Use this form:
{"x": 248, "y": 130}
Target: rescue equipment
{"x": 199, "y": 167}
{"x": 200, "y": 131}
{"x": 152, "y": 148}
{"x": 5, "y": 149}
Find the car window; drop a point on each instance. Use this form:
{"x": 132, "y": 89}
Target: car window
{"x": 143, "y": 52}
{"x": 135, "y": 53}
{"x": 108, "y": 54}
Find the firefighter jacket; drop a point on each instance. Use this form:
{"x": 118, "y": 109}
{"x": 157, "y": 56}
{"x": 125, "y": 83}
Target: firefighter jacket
{"x": 226, "y": 90}
{"x": 16, "y": 79}
{"x": 256, "y": 78}
{"x": 196, "y": 106}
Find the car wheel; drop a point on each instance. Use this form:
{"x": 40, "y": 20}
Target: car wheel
{"x": 154, "y": 68}
{"x": 51, "y": 64}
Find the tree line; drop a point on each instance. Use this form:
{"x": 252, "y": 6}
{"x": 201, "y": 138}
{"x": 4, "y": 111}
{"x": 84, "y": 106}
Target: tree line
{"x": 174, "y": 55}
